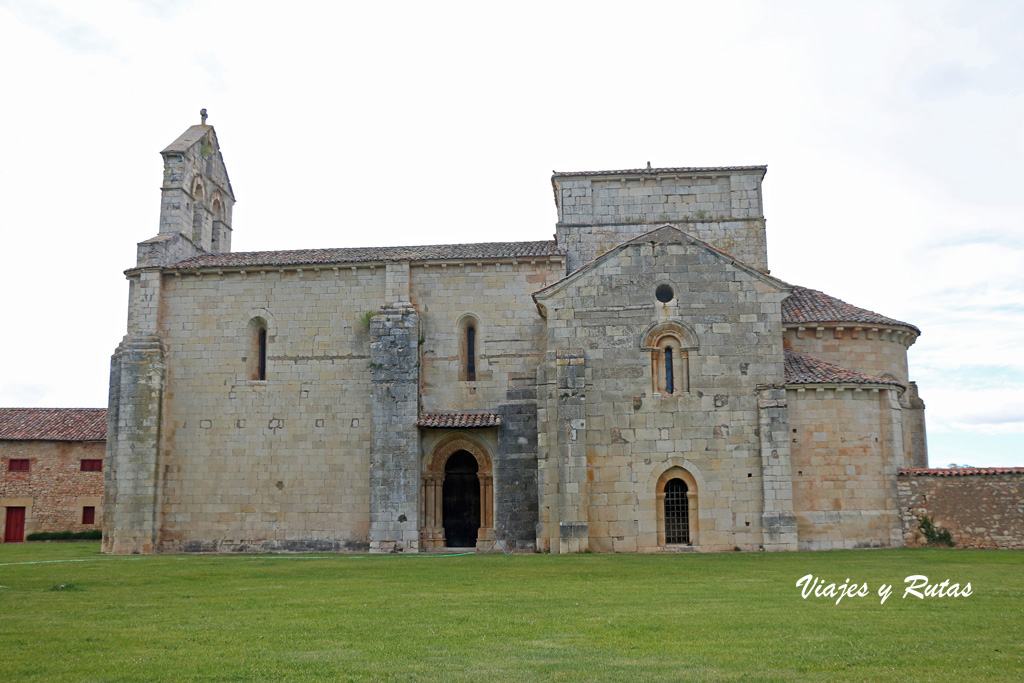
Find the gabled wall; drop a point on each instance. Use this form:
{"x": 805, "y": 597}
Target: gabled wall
{"x": 607, "y": 439}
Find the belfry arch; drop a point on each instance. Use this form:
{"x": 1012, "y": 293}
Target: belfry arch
{"x": 450, "y": 461}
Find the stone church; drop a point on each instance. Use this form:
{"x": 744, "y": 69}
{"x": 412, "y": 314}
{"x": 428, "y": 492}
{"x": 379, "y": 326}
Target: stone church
{"x": 640, "y": 383}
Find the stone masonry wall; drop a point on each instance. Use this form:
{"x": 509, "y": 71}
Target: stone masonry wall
{"x": 285, "y": 463}
{"x": 510, "y": 334}
{"x": 275, "y": 464}
{"x": 724, "y": 209}
{"x": 634, "y": 435}
{"x": 510, "y": 341}
{"x": 872, "y": 351}
{"x": 847, "y": 446}
{"x": 981, "y": 510}
{"x": 54, "y": 490}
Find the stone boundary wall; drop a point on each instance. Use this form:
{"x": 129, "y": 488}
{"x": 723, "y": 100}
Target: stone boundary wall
{"x": 981, "y": 507}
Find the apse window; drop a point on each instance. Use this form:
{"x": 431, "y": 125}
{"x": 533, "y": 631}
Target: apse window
{"x": 664, "y": 293}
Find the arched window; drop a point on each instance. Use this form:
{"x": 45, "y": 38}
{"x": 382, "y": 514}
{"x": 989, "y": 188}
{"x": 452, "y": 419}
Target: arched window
{"x": 257, "y": 356}
{"x": 197, "y": 214}
{"x": 215, "y": 236}
{"x": 471, "y": 352}
{"x": 669, "y": 374}
{"x": 670, "y": 345}
{"x": 676, "y": 507}
{"x": 468, "y": 330}
{"x": 670, "y": 366}
{"x": 677, "y": 512}
{"x": 261, "y": 353}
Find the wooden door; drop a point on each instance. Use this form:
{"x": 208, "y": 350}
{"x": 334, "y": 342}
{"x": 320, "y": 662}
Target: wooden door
{"x": 15, "y": 531}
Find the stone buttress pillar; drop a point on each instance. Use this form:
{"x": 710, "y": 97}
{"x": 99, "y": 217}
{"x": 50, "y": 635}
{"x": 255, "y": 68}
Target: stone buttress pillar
{"x": 777, "y": 518}
{"x": 573, "y": 522}
{"x": 515, "y": 465}
{"x": 131, "y": 503}
{"x": 395, "y": 448}
{"x": 914, "y": 433}
{"x": 893, "y": 442}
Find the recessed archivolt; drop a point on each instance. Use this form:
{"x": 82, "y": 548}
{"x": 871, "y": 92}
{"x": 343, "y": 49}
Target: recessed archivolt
{"x": 683, "y": 333}
{"x": 467, "y": 318}
{"x": 676, "y": 467}
{"x": 255, "y": 316}
{"x": 457, "y": 441}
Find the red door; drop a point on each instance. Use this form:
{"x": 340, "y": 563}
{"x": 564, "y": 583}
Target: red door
{"x": 15, "y": 532}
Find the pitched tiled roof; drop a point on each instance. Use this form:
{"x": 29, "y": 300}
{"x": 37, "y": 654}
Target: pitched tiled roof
{"x": 655, "y": 171}
{"x": 457, "y": 420}
{"x": 440, "y": 252}
{"x": 53, "y": 424}
{"x": 960, "y": 471}
{"x": 804, "y": 369}
{"x": 811, "y": 306}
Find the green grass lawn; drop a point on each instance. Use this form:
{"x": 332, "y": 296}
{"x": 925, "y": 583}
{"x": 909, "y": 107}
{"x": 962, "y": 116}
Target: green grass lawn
{"x": 735, "y": 616}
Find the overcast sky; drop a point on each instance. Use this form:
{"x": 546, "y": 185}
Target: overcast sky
{"x": 893, "y": 134}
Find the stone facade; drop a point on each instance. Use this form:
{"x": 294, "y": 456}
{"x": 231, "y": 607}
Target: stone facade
{"x": 981, "y": 507}
{"x": 639, "y": 384}
{"x": 48, "y": 485}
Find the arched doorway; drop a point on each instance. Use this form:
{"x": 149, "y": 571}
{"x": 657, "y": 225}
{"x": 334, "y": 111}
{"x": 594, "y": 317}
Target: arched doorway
{"x": 460, "y": 496}
{"x": 457, "y": 499}
{"x": 677, "y": 512}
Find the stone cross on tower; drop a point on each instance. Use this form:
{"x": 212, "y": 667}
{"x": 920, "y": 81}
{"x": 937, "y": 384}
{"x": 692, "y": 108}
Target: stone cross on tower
{"x": 202, "y": 115}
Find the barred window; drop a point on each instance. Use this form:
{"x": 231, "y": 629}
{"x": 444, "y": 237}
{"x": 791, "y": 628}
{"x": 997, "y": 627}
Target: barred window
{"x": 677, "y": 512}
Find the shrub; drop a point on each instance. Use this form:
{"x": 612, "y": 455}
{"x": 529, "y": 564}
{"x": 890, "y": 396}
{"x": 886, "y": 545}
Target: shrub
{"x": 365, "y": 317}
{"x": 934, "y": 535}
{"x": 91, "y": 535}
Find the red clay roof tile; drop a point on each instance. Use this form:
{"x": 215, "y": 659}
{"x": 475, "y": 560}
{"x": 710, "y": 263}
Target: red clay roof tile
{"x": 804, "y": 369}
{"x": 809, "y": 305}
{"x": 439, "y": 252}
{"x": 458, "y": 420}
{"x": 960, "y": 471}
{"x": 53, "y": 424}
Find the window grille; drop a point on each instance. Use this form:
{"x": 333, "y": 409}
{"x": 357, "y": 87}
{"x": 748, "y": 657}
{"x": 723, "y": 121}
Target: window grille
{"x": 677, "y": 512}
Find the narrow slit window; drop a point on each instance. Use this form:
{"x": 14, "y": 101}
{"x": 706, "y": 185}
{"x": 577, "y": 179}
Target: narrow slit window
{"x": 261, "y": 354}
{"x": 669, "y": 377}
{"x": 470, "y": 353}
